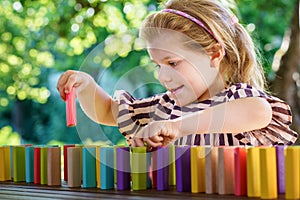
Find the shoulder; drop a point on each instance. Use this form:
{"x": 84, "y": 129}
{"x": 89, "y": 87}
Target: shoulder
{"x": 241, "y": 90}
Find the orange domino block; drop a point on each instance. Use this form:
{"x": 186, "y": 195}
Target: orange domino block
{"x": 54, "y": 166}
{"x": 197, "y": 169}
{"x": 5, "y": 163}
{"x": 211, "y": 167}
{"x": 292, "y": 179}
{"x": 71, "y": 108}
{"x": 74, "y": 166}
{"x": 226, "y": 170}
{"x": 253, "y": 172}
{"x": 268, "y": 170}
{"x": 98, "y": 166}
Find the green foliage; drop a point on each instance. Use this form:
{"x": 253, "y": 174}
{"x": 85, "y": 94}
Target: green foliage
{"x": 9, "y": 137}
{"x": 41, "y": 39}
{"x": 266, "y": 21}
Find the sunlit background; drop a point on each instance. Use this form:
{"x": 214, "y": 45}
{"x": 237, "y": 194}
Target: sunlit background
{"x": 41, "y": 39}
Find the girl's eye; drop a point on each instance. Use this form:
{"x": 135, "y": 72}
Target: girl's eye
{"x": 172, "y": 63}
{"x": 157, "y": 66}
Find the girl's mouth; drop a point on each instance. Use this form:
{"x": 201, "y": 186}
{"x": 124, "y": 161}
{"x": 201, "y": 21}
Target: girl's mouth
{"x": 176, "y": 90}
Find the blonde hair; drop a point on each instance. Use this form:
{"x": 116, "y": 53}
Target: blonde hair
{"x": 240, "y": 63}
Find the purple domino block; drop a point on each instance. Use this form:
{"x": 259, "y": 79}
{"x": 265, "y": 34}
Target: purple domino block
{"x": 280, "y": 162}
{"x": 163, "y": 168}
{"x": 183, "y": 168}
{"x": 123, "y": 168}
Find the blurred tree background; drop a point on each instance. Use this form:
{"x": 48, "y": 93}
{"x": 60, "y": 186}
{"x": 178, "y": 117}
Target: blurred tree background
{"x": 41, "y": 39}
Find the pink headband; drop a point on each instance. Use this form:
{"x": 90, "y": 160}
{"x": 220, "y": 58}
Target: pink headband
{"x": 187, "y": 16}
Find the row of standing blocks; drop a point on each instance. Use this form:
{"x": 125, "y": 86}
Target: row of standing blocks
{"x": 261, "y": 172}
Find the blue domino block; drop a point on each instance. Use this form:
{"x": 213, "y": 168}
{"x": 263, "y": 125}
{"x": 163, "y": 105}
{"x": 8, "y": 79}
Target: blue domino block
{"x": 88, "y": 167}
{"x": 106, "y": 168}
{"x": 29, "y": 154}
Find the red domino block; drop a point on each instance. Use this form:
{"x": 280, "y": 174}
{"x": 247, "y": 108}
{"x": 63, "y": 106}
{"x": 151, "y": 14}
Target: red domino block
{"x": 240, "y": 176}
{"x": 37, "y": 165}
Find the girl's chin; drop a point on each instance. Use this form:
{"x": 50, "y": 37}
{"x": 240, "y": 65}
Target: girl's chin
{"x": 182, "y": 102}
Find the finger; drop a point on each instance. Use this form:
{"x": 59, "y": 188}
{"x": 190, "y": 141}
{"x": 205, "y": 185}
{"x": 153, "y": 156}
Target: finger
{"x": 61, "y": 83}
{"x": 72, "y": 81}
{"x": 138, "y": 142}
{"x": 152, "y": 143}
{"x": 156, "y": 138}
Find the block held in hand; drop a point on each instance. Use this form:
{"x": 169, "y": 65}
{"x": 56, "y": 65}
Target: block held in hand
{"x": 71, "y": 108}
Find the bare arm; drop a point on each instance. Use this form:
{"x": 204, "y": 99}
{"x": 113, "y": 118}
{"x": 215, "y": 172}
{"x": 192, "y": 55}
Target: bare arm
{"x": 94, "y": 101}
{"x": 236, "y": 116}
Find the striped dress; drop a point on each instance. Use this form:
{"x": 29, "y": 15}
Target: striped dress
{"x": 134, "y": 114}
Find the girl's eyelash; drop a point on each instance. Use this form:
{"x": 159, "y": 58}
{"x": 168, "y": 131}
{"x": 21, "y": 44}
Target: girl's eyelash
{"x": 157, "y": 66}
{"x": 173, "y": 63}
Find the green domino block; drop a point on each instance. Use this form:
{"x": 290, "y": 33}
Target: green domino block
{"x": 139, "y": 169}
{"x": 172, "y": 171}
{"x": 44, "y": 165}
{"x": 19, "y": 163}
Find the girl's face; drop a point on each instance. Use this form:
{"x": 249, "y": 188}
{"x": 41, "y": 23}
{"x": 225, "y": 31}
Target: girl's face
{"x": 186, "y": 74}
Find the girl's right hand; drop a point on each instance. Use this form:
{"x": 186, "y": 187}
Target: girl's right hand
{"x": 71, "y": 79}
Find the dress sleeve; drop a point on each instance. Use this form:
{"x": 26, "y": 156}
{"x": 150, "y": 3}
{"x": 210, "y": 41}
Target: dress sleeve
{"x": 278, "y": 132}
{"x": 133, "y": 114}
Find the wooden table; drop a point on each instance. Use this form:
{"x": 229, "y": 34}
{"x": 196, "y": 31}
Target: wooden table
{"x": 10, "y": 190}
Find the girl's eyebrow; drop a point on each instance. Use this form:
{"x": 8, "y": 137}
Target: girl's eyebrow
{"x": 165, "y": 58}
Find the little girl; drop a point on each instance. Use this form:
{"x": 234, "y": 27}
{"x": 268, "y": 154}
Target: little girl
{"x": 215, "y": 85}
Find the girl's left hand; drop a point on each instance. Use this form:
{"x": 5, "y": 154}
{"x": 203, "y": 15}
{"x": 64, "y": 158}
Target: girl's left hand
{"x": 157, "y": 133}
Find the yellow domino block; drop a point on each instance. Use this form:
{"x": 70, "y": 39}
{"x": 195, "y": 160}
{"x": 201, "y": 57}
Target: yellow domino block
{"x": 197, "y": 169}
{"x": 292, "y": 172}
{"x": 253, "y": 172}
{"x": 268, "y": 170}
{"x": 5, "y": 163}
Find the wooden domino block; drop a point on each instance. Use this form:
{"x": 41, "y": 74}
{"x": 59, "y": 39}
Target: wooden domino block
{"x": 153, "y": 167}
{"x": 240, "y": 166}
{"x": 253, "y": 172}
{"x": 98, "y": 166}
{"x": 44, "y": 165}
{"x": 11, "y": 156}
{"x": 139, "y": 168}
{"x": 107, "y": 168}
{"x": 5, "y": 173}
{"x": 66, "y": 160}
{"x": 280, "y": 164}
{"x": 292, "y": 180}
{"x": 71, "y": 108}
{"x": 269, "y": 173}
{"x": 54, "y": 166}
{"x": 19, "y": 163}
{"x": 150, "y": 175}
{"x": 29, "y": 151}
{"x": 74, "y": 166}
{"x": 197, "y": 169}
{"x": 226, "y": 170}
{"x": 123, "y": 168}
{"x": 89, "y": 167}
{"x": 37, "y": 165}
{"x": 162, "y": 168}
{"x": 172, "y": 168}
{"x": 211, "y": 166}
{"x": 183, "y": 168}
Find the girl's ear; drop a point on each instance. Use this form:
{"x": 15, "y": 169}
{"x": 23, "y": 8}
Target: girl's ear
{"x": 216, "y": 53}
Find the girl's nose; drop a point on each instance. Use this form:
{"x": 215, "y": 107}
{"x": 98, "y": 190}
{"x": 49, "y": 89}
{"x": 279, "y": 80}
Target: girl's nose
{"x": 164, "y": 74}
